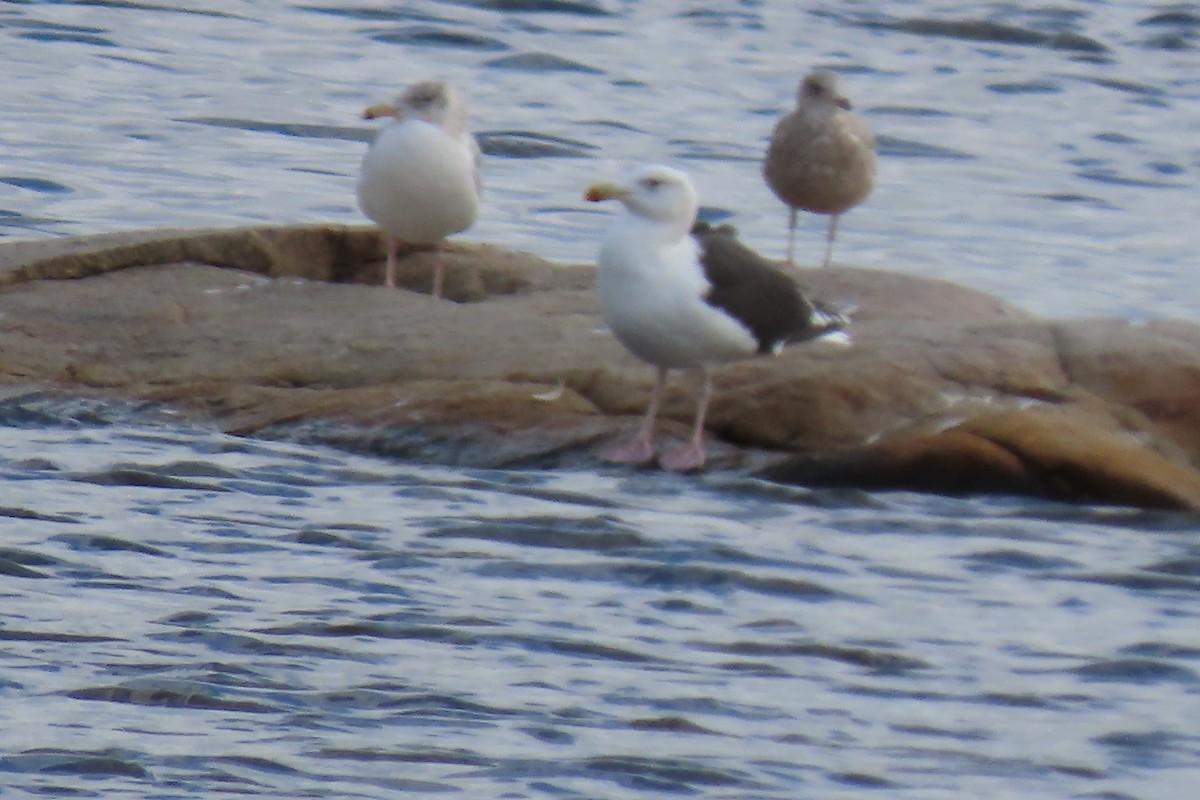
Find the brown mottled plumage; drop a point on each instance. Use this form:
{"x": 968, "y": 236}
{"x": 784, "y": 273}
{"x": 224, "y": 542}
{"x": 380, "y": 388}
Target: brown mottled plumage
{"x": 821, "y": 157}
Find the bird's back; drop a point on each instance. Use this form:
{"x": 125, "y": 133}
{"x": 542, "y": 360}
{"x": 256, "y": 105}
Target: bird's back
{"x": 767, "y": 300}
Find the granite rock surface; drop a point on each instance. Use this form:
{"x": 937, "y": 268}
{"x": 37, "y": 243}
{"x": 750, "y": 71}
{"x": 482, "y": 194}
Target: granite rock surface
{"x": 284, "y": 331}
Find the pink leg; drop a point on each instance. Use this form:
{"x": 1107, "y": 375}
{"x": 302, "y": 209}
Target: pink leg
{"x": 641, "y": 449}
{"x": 791, "y": 237}
{"x": 691, "y": 456}
{"x": 390, "y": 278}
{"x": 830, "y": 234}
{"x": 437, "y": 270}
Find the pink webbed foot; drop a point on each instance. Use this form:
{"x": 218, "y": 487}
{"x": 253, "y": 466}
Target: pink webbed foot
{"x": 639, "y": 451}
{"x": 686, "y": 458}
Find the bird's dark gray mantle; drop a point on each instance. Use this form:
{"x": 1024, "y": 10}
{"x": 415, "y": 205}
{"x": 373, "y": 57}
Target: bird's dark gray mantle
{"x": 284, "y": 332}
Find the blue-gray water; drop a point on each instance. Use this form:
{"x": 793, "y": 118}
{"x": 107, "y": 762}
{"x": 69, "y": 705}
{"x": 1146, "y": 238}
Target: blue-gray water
{"x": 185, "y": 614}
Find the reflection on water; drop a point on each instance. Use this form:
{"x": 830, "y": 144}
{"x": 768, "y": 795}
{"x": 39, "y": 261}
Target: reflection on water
{"x": 1044, "y": 154}
{"x": 186, "y": 612}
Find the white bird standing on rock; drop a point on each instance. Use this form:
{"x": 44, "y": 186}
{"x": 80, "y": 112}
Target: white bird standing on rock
{"x": 686, "y": 298}
{"x": 821, "y": 157}
{"x": 420, "y": 178}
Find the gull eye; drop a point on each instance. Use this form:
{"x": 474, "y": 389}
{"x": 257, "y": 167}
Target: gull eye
{"x": 652, "y": 183}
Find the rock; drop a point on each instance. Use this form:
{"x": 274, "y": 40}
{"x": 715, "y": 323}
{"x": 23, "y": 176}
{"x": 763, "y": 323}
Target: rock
{"x": 285, "y": 332}
{"x": 1046, "y": 450}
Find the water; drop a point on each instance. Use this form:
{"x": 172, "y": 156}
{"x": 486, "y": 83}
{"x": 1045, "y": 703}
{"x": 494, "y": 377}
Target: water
{"x": 188, "y": 614}
{"x": 1064, "y": 179}
{"x": 191, "y": 614}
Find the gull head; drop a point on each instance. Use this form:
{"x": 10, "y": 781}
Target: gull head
{"x": 822, "y": 88}
{"x": 655, "y": 192}
{"x": 435, "y": 102}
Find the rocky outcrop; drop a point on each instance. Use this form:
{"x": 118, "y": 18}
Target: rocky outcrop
{"x": 285, "y": 332}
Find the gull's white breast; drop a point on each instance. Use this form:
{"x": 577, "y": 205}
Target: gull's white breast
{"x": 652, "y": 297}
{"x": 418, "y": 183}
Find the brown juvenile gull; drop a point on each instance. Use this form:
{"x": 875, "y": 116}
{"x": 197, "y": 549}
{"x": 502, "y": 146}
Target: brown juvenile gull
{"x": 684, "y": 297}
{"x": 420, "y": 178}
{"x": 821, "y": 157}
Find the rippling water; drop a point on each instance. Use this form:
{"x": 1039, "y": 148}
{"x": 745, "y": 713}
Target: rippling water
{"x": 1051, "y": 158}
{"x": 187, "y": 614}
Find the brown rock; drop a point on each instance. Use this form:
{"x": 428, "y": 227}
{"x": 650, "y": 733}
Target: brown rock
{"x": 274, "y": 331}
{"x": 1050, "y": 451}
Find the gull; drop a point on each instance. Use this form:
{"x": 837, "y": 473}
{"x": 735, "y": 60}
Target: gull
{"x": 821, "y": 157}
{"x": 684, "y": 296}
{"x": 419, "y": 179}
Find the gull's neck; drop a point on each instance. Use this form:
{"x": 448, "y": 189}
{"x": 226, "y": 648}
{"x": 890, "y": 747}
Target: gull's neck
{"x": 660, "y": 232}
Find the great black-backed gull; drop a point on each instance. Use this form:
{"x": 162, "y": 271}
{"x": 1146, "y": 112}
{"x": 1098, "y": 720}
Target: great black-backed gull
{"x": 821, "y": 157}
{"x": 680, "y": 297}
{"x": 420, "y": 178}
